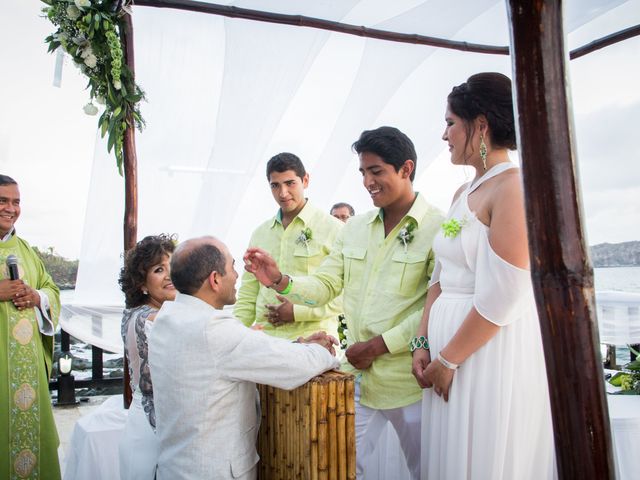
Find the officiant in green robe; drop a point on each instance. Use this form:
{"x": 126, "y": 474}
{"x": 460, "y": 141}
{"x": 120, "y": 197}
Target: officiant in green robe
{"x": 29, "y": 308}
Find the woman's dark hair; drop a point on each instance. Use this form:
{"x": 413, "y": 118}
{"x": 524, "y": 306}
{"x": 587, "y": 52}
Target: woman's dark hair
{"x": 487, "y": 94}
{"x": 390, "y": 144}
{"x": 137, "y": 262}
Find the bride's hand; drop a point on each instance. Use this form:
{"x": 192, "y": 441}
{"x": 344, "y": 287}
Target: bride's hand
{"x": 421, "y": 359}
{"x": 440, "y": 377}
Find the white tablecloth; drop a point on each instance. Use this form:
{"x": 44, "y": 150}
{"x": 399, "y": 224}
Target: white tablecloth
{"x": 93, "y": 449}
{"x": 624, "y": 412}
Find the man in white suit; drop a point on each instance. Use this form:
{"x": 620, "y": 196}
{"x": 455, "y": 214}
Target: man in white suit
{"x": 205, "y": 363}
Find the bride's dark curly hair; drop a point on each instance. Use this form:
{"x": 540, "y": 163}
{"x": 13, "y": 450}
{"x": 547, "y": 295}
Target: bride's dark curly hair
{"x": 137, "y": 262}
{"x": 487, "y": 94}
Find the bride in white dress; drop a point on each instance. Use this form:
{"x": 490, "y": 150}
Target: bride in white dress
{"x": 486, "y": 411}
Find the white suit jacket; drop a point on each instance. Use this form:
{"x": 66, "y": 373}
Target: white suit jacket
{"x": 204, "y": 365}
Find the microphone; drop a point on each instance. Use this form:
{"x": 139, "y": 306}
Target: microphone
{"x": 12, "y": 266}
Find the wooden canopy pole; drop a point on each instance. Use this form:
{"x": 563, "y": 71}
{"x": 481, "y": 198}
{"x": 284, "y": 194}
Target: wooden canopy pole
{"x": 303, "y": 21}
{"x": 130, "y": 163}
{"x": 560, "y": 266}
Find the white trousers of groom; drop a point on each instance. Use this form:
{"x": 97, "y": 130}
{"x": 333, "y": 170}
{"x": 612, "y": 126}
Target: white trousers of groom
{"x": 370, "y": 423}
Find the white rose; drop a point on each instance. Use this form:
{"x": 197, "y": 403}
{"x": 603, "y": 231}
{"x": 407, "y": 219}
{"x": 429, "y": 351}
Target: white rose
{"x": 117, "y": 85}
{"x": 86, "y": 51}
{"x": 73, "y": 12}
{"x": 91, "y": 61}
{"x": 90, "y": 109}
{"x": 82, "y": 3}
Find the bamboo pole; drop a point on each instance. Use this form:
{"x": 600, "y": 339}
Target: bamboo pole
{"x": 323, "y": 468}
{"x": 560, "y": 267}
{"x": 332, "y": 430}
{"x": 351, "y": 429}
{"x": 307, "y": 446}
{"x": 314, "y": 430}
{"x": 272, "y": 432}
{"x": 341, "y": 430}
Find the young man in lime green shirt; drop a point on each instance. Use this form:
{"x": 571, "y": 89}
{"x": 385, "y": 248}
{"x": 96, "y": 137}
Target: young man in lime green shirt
{"x": 381, "y": 262}
{"x": 299, "y": 236}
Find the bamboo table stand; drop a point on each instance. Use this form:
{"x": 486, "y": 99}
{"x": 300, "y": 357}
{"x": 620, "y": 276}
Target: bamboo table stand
{"x": 308, "y": 433}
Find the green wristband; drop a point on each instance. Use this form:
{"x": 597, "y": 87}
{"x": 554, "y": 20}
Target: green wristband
{"x": 288, "y": 287}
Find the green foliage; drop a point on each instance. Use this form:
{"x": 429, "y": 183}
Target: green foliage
{"x": 63, "y": 271}
{"x": 629, "y": 378}
{"x": 89, "y": 31}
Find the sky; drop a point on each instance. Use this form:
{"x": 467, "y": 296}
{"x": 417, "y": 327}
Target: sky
{"x": 47, "y": 143}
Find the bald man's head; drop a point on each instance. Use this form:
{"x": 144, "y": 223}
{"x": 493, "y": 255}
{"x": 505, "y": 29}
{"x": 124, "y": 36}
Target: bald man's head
{"x": 194, "y": 260}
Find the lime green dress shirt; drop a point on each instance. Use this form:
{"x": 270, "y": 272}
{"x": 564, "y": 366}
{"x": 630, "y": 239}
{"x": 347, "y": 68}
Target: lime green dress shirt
{"x": 297, "y": 258}
{"x": 385, "y": 285}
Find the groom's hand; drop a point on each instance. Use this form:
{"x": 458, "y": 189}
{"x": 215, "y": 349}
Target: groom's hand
{"x": 262, "y": 265}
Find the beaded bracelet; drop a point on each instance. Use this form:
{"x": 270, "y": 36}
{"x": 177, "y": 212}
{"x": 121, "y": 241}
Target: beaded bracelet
{"x": 419, "y": 342}
{"x": 447, "y": 363}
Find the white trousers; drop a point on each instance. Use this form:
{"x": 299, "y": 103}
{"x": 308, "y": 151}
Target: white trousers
{"x": 370, "y": 424}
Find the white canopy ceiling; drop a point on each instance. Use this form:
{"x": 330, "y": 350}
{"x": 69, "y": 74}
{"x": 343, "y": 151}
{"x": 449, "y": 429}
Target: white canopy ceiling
{"x": 224, "y": 95}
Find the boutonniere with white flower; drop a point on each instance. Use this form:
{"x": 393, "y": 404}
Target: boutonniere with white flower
{"x": 406, "y": 234}
{"x": 305, "y": 237}
{"x": 452, "y": 228}
{"x": 342, "y": 331}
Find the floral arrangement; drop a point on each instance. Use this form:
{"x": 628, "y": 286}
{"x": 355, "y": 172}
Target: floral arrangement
{"x": 406, "y": 234}
{"x": 629, "y": 378}
{"x": 305, "y": 237}
{"x": 89, "y": 31}
{"x": 452, "y": 228}
{"x": 342, "y": 331}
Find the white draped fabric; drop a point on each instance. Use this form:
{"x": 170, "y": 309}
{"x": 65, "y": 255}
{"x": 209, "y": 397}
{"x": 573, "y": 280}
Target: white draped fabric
{"x": 224, "y": 95}
{"x": 618, "y": 317}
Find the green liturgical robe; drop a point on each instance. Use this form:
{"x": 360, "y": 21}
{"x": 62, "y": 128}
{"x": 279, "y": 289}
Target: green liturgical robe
{"x": 28, "y": 436}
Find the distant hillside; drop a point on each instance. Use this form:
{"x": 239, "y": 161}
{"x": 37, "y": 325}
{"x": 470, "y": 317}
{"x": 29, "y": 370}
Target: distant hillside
{"x": 63, "y": 271}
{"x": 626, "y": 254}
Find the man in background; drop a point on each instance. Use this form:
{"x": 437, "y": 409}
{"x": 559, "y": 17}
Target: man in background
{"x": 29, "y": 308}
{"x": 299, "y": 237}
{"x": 342, "y": 211}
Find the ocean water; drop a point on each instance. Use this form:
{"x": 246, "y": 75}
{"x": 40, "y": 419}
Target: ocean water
{"x": 624, "y": 279}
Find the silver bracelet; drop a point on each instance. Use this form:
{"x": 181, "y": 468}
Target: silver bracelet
{"x": 447, "y": 363}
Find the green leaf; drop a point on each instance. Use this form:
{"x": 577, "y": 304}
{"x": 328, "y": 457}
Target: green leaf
{"x": 117, "y": 112}
{"x": 616, "y": 380}
{"x": 112, "y": 140}
{"x": 87, "y": 18}
{"x": 104, "y": 126}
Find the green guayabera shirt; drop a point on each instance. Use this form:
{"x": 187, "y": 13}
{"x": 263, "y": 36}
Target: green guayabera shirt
{"x": 384, "y": 292}
{"x": 295, "y": 257}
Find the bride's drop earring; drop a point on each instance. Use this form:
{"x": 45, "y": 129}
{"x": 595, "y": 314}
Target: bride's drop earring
{"x": 483, "y": 152}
